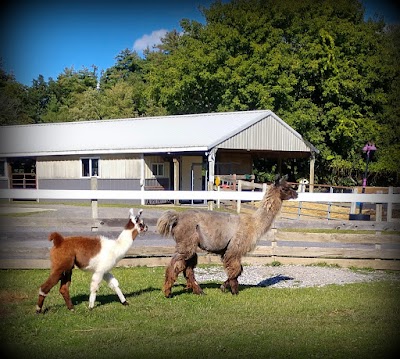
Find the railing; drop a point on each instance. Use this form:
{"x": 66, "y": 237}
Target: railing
{"x": 143, "y": 196}
{"x": 23, "y": 180}
{"x": 314, "y": 209}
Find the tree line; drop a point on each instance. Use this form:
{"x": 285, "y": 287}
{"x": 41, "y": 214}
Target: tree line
{"x": 319, "y": 65}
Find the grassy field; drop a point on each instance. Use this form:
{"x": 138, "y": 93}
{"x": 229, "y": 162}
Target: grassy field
{"x": 350, "y": 321}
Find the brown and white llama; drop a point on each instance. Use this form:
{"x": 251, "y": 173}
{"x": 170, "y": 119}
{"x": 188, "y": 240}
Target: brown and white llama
{"x": 229, "y": 235}
{"x": 96, "y": 254}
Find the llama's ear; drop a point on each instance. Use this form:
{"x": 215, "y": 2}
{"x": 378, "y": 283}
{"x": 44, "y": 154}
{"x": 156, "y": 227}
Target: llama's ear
{"x": 277, "y": 179}
{"x": 131, "y": 213}
{"x": 140, "y": 212}
{"x": 283, "y": 179}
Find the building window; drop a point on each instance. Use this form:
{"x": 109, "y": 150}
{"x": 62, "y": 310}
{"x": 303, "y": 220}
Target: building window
{"x": 157, "y": 169}
{"x": 2, "y": 168}
{"x": 90, "y": 167}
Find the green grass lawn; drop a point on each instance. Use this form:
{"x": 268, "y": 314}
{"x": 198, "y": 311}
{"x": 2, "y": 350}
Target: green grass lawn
{"x": 350, "y": 321}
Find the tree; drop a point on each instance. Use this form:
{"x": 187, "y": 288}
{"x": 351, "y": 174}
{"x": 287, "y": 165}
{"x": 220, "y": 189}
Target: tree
{"x": 14, "y": 106}
{"x": 318, "y": 64}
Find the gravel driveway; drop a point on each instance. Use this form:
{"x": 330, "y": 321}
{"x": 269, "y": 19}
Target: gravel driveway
{"x": 293, "y": 276}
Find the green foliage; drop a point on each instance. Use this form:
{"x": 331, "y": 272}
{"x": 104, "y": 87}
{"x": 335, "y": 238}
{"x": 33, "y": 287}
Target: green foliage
{"x": 319, "y": 65}
{"x": 13, "y": 101}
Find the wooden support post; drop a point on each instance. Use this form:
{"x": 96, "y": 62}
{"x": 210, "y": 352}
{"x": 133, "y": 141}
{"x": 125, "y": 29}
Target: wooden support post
{"x": 389, "y": 209}
{"x": 210, "y": 204}
{"x": 211, "y": 172}
{"x": 264, "y": 187}
{"x": 142, "y": 177}
{"x": 94, "y": 203}
{"x": 353, "y": 206}
{"x": 274, "y": 244}
{"x": 378, "y": 210}
{"x": 239, "y": 202}
{"x": 330, "y": 204}
{"x": 312, "y": 165}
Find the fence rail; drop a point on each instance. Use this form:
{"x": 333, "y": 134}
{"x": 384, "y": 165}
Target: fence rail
{"x": 187, "y": 195}
{"x": 378, "y": 199}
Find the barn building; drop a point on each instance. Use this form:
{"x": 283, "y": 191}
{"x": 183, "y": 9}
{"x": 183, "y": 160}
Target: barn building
{"x": 181, "y": 152}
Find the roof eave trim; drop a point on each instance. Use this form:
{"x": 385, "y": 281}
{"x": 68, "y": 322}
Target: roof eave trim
{"x": 105, "y": 151}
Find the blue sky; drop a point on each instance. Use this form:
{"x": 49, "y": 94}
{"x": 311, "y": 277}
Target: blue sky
{"x": 44, "y": 37}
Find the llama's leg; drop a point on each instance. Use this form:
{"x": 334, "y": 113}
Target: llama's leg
{"x": 233, "y": 267}
{"x": 114, "y": 285}
{"x": 189, "y": 275}
{"x": 45, "y": 288}
{"x": 176, "y": 266}
{"x": 94, "y": 286}
{"x": 64, "y": 288}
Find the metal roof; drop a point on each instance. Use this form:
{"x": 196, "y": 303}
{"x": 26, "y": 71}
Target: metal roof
{"x": 179, "y": 133}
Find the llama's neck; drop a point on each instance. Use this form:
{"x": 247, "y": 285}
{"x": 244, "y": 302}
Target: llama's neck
{"x": 124, "y": 241}
{"x": 263, "y": 218}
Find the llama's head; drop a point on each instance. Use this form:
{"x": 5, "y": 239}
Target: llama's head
{"x": 136, "y": 221}
{"x": 285, "y": 190}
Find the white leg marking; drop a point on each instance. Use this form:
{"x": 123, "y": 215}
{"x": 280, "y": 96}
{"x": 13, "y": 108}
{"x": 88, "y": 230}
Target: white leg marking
{"x": 94, "y": 286}
{"x": 42, "y": 293}
{"x": 114, "y": 285}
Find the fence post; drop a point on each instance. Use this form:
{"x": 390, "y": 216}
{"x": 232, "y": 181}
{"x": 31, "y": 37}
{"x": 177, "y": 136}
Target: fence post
{"x": 378, "y": 210}
{"x": 95, "y": 212}
{"x": 330, "y": 204}
{"x": 389, "y": 209}
{"x": 274, "y": 244}
{"x": 353, "y": 205}
{"x": 218, "y": 199}
{"x": 239, "y": 202}
{"x": 264, "y": 187}
{"x": 210, "y": 203}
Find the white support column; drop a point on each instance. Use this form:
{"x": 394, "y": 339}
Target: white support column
{"x": 176, "y": 178}
{"x": 211, "y": 173}
{"x": 142, "y": 176}
{"x": 211, "y": 165}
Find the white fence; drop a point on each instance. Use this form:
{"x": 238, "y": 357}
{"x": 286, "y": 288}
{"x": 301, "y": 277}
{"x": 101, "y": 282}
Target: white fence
{"x": 143, "y": 196}
{"x": 33, "y": 194}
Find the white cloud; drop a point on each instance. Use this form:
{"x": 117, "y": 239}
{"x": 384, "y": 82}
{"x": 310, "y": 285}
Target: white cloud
{"x": 149, "y": 40}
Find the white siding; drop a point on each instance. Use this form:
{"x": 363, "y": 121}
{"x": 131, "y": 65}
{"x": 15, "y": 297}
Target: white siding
{"x": 268, "y": 134}
{"x": 69, "y": 167}
{"x": 58, "y": 168}
{"x": 119, "y": 167}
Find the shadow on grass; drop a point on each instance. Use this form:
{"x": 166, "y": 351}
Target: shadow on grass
{"x": 102, "y": 299}
{"x": 268, "y": 282}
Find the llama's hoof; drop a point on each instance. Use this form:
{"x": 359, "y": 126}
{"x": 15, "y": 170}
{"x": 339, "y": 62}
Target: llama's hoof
{"x": 38, "y": 311}
{"x": 223, "y": 288}
{"x": 125, "y": 303}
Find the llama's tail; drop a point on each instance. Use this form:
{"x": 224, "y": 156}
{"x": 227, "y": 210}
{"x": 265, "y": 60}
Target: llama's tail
{"x": 166, "y": 222}
{"x": 57, "y": 238}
